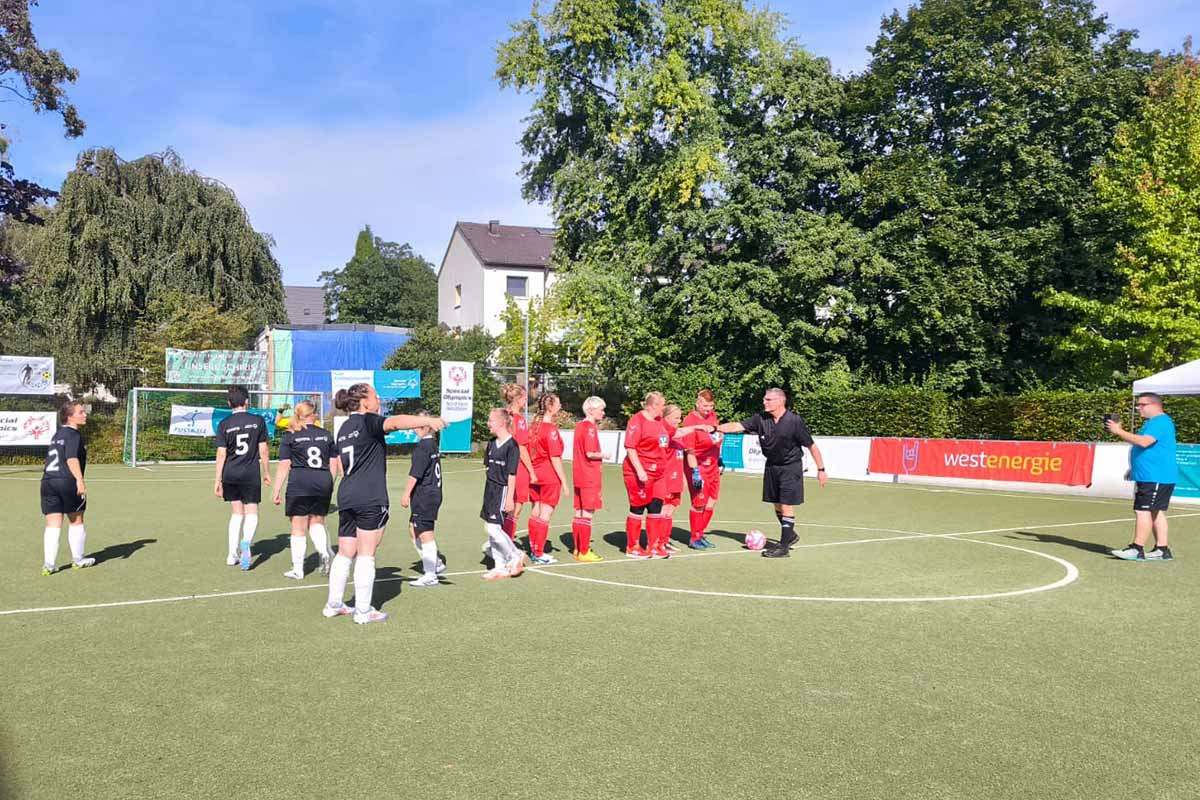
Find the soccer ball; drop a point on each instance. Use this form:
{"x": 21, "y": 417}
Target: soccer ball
{"x": 756, "y": 540}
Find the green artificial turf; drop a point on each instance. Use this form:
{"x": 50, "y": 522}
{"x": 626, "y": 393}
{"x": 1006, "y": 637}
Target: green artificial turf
{"x": 548, "y": 686}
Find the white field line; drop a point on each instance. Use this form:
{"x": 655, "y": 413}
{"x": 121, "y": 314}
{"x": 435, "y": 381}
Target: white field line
{"x": 190, "y": 479}
{"x": 1072, "y": 572}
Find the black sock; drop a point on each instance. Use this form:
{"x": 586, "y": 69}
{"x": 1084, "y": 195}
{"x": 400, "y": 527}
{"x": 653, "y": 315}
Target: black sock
{"x": 787, "y": 531}
{"x": 1137, "y": 547}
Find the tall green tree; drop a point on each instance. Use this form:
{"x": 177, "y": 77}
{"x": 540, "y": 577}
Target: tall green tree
{"x": 385, "y": 283}
{"x": 1150, "y": 183}
{"x": 690, "y": 156}
{"x": 976, "y": 126}
{"x": 125, "y": 234}
{"x": 189, "y": 322}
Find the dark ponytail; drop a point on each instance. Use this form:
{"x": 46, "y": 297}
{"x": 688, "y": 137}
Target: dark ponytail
{"x": 349, "y": 399}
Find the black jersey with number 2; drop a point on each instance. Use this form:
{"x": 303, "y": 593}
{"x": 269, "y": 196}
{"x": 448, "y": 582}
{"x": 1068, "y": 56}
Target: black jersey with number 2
{"x": 240, "y": 434}
{"x": 67, "y": 443}
{"x": 361, "y": 446}
{"x": 309, "y": 451}
{"x": 501, "y": 461}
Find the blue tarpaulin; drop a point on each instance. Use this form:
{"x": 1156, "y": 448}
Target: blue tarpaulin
{"x": 316, "y": 353}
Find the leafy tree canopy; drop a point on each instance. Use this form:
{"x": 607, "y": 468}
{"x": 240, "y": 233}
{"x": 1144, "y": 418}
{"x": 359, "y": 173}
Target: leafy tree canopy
{"x": 383, "y": 284}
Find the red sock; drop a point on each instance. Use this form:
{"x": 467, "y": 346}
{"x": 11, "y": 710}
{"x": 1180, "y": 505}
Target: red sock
{"x": 510, "y": 525}
{"x": 633, "y": 531}
{"x": 664, "y": 532}
{"x": 654, "y": 531}
{"x": 696, "y": 523}
{"x": 583, "y": 535}
{"x": 539, "y": 530}
{"x": 707, "y": 519}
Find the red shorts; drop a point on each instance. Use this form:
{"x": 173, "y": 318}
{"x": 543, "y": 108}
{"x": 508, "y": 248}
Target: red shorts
{"x": 545, "y": 493}
{"x": 640, "y": 494}
{"x": 711, "y": 490}
{"x": 521, "y": 490}
{"x": 588, "y": 499}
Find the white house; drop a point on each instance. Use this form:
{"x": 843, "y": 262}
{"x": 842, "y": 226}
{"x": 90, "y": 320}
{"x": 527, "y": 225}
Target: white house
{"x": 483, "y": 264}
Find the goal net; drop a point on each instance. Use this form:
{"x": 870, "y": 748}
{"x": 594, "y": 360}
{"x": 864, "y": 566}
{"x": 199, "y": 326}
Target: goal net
{"x": 179, "y": 425}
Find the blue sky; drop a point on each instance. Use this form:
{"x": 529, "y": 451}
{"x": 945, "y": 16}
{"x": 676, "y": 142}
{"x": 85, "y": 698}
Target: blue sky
{"x": 324, "y": 115}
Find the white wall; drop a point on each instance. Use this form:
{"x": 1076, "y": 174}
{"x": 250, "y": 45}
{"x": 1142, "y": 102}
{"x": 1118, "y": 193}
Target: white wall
{"x": 460, "y": 267}
{"x": 494, "y": 286}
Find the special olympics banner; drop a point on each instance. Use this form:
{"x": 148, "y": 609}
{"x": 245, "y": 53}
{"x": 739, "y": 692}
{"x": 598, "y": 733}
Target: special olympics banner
{"x": 26, "y": 428}
{"x": 390, "y": 384}
{"x": 216, "y": 366}
{"x": 732, "y": 450}
{"x": 1067, "y": 463}
{"x": 26, "y": 375}
{"x": 458, "y": 400}
{"x": 395, "y": 437}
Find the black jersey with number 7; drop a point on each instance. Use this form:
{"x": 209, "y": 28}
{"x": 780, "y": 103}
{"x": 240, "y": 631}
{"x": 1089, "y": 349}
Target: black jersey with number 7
{"x": 363, "y": 450}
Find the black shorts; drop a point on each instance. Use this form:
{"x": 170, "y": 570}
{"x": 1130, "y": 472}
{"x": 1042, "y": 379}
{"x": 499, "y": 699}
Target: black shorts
{"x": 422, "y": 524}
{"x": 367, "y": 518}
{"x": 241, "y": 492}
{"x": 312, "y": 506}
{"x": 1152, "y": 496}
{"x": 784, "y": 484}
{"x": 59, "y": 497}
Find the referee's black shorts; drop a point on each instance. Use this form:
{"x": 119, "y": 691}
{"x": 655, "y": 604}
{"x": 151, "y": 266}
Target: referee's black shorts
{"x": 784, "y": 484}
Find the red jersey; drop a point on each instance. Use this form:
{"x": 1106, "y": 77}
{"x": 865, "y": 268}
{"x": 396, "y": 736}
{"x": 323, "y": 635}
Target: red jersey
{"x": 674, "y": 465}
{"x": 706, "y": 446}
{"x": 521, "y": 434}
{"x": 544, "y": 445}
{"x": 586, "y": 473}
{"x": 649, "y": 439}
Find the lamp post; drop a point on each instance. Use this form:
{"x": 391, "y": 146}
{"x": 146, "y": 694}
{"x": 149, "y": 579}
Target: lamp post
{"x": 528, "y": 307}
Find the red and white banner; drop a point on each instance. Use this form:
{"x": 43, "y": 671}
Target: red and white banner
{"x": 25, "y": 428}
{"x": 1068, "y": 463}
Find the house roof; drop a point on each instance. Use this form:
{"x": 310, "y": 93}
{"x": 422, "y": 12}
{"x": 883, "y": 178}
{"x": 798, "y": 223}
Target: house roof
{"x": 497, "y": 245}
{"x": 305, "y": 305}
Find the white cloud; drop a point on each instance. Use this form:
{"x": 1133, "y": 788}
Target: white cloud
{"x": 313, "y": 187}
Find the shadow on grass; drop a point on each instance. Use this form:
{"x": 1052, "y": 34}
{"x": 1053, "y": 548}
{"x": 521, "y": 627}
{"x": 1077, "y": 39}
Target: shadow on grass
{"x": 387, "y": 585}
{"x": 1050, "y": 538}
{"x": 263, "y": 549}
{"x": 123, "y": 550}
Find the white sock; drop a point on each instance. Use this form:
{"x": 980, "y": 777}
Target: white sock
{"x": 299, "y": 545}
{"x": 77, "y": 538}
{"x": 320, "y": 539}
{"x": 249, "y": 527}
{"x": 501, "y": 542}
{"x": 235, "y": 527}
{"x": 429, "y": 557}
{"x": 50, "y": 545}
{"x": 364, "y": 583}
{"x": 339, "y": 573}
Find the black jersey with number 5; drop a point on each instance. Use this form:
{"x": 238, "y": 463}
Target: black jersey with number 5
{"x": 501, "y": 461}
{"x": 240, "y": 434}
{"x": 309, "y": 452}
{"x": 67, "y": 443}
{"x": 361, "y": 446}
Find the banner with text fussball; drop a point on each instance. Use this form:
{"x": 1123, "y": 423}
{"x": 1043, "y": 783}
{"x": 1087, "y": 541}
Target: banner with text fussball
{"x": 1067, "y": 463}
{"x": 458, "y": 400}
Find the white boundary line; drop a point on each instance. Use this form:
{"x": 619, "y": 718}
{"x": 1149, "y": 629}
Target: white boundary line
{"x": 189, "y": 479}
{"x": 1071, "y": 570}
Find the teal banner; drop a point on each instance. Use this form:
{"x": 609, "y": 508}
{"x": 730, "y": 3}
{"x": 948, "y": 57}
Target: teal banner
{"x": 397, "y": 384}
{"x": 731, "y": 451}
{"x": 402, "y": 437}
{"x": 1187, "y": 456}
{"x": 267, "y": 414}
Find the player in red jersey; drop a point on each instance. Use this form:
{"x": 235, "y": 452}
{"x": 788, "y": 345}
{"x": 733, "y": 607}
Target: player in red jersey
{"x": 669, "y": 488}
{"x": 515, "y": 398}
{"x": 645, "y": 456}
{"x": 704, "y": 458}
{"x": 587, "y": 475}
{"x": 545, "y": 449}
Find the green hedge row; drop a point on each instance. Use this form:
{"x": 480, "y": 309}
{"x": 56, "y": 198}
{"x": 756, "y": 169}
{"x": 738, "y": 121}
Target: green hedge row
{"x": 1040, "y": 416}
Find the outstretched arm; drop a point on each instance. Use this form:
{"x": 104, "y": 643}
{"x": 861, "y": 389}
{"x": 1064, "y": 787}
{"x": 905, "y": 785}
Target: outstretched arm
{"x": 404, "y": 422}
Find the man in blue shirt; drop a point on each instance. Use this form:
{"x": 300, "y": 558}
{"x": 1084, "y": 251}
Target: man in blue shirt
{"x": 1152, "y": 467}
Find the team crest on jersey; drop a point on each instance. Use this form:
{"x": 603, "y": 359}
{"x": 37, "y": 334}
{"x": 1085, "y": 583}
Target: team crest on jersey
{"x": 715, "y": 436}
{"x": 663, "y": 440}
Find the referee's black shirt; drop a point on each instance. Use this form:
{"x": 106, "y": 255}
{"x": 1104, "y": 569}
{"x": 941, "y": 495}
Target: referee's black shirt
{"x": 780, "y": 441}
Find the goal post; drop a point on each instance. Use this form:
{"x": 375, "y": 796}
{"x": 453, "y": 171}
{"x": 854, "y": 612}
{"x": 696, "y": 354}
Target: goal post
{"x": 148, "y": 421}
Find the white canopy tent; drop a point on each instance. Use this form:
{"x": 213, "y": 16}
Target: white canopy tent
{"x": 1184, "y": 379}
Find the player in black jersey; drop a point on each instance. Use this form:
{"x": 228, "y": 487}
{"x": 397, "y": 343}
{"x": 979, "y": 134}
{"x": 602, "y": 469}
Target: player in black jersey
{"x": 499, "y": 492}
{"x": 241, "y": 455}
{"x": 63, "y": 490}
{"x": 307, "y": 464}
{"x": 423, "y": 492}
{"x": 363, "y": 496}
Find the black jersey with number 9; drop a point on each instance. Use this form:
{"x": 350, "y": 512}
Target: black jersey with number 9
{"x": 361, "y": 446}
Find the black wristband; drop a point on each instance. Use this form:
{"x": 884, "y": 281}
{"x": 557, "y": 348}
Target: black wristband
{"x": 820, "y": 469}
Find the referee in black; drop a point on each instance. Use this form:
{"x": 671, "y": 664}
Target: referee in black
{"x": 781, "y": 434}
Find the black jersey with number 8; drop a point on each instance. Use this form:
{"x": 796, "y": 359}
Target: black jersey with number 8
{"x": 309, "y": 451}
{"x": 361, "y": 446}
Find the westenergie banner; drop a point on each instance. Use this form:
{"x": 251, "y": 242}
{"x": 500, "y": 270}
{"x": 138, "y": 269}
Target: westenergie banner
{"x": 216, "y": 366}
{"x": 1068, "y": 463}
{"x": 26, "y": 375}
{"x": 458, "y": 400}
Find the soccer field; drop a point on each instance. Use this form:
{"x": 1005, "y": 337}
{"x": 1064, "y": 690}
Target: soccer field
{"x": 920, "y": 643}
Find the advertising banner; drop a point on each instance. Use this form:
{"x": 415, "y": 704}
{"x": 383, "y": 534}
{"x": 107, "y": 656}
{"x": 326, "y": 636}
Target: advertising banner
{"x": 26, "y": 375}
{"x": 216, "y": 366}
{"x": 203, "y": 420}
{"x": 395, "y": 437}
{"x": 458, "y": 401}
{"x": 27, "y": 428}
{"x": 1187, "y": 456}
{"x": 610, "y": 444}
{"x": 1066, "y": 463}
{"x": 390, "y": 384}
{"x": 731, "y": 450}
